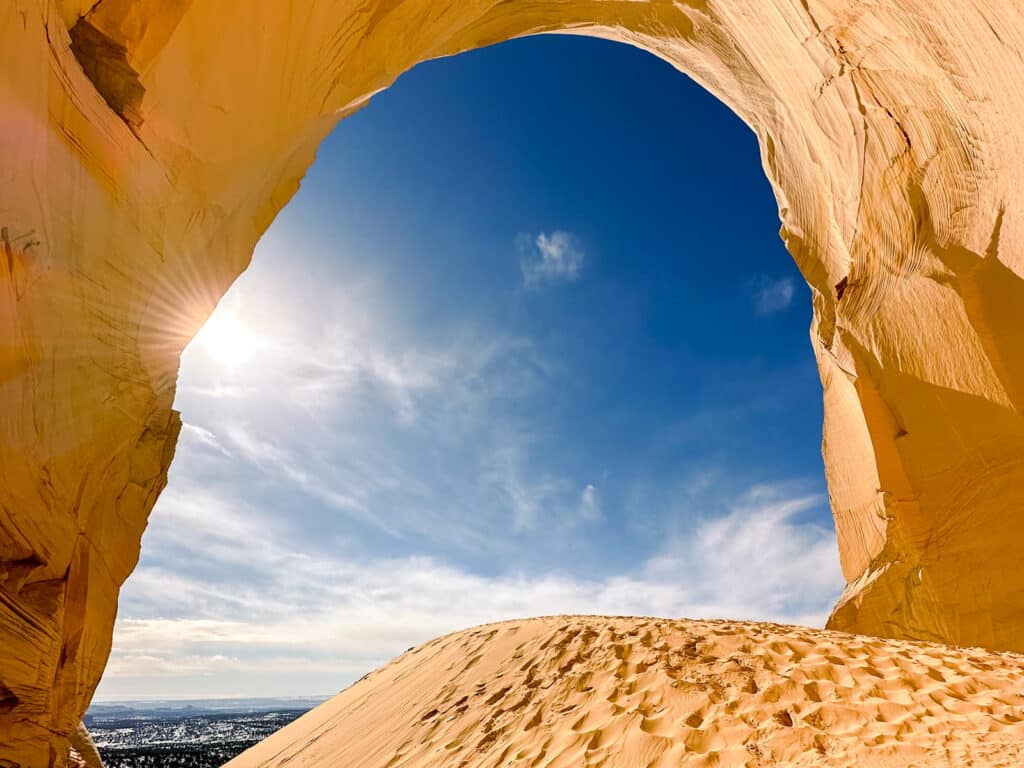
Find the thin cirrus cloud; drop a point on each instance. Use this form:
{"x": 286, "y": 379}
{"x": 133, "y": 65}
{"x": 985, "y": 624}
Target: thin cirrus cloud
{"x": 590, "y": 505}
{"x": 234, "y": 596}
{"x": 354, "y": 487}
{"x": 292, "y": 616}
{"x": 526, "y": 491}
{"x": 339, "y": 403}
{"x": 322, "y": 356}
{"x": 548, "y": 258}
{"x": 773, "y": 296}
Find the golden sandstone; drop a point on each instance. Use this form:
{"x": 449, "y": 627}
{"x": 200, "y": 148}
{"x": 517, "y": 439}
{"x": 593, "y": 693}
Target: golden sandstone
{"x": 148, "y": 143}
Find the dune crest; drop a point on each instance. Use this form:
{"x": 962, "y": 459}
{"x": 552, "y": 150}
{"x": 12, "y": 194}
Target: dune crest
{"x": 652, "y": 693}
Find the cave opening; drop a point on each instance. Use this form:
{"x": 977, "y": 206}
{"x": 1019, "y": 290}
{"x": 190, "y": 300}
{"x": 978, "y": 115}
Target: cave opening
{"x": 525, "y": 342}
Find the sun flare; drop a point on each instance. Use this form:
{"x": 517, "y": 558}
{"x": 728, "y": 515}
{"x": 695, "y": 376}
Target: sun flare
{"x": 227, "y": 339}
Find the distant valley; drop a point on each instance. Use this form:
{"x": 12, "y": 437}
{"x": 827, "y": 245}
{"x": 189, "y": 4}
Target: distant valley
{"x": 199, "y": 733}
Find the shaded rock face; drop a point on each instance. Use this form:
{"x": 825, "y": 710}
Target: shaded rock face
{"x": 148, "y": 143}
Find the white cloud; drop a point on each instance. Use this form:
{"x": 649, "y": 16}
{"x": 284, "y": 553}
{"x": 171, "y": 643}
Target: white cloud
{"x": 759, "y": 560}
{"x": 550, "y": 258}
{"x": 339, "y": 402}
{"x": 310, "y": 346}
{"x": 773, "y": 296}
{"x": 205, "y": 437}
{"x": 525, "y": 492}
{"x": 273, "y": 458}
{"x": 251, "y": 582}
{"x": 590, "y": 506}
{"x": 317, "y": 361}
{"x": 343, "y": 617}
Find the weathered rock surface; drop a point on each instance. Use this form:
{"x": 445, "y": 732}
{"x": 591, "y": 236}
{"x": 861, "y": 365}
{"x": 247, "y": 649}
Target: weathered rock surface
{"x": 83, "y": 751}
{"x": 577, "y": 691}
{"x": 148, "y": 143}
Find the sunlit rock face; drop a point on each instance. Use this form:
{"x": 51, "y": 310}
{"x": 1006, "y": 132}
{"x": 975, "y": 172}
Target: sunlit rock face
{"x": 148, "y": 143}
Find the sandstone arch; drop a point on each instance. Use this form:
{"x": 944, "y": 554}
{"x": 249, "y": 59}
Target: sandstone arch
{"x": 148, "y": 143}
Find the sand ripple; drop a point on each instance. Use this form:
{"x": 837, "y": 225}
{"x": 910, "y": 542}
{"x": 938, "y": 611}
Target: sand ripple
{"x": 651, "y": 693}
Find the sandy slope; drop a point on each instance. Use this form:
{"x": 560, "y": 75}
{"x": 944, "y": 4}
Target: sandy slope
{"x": 648, "y": 693}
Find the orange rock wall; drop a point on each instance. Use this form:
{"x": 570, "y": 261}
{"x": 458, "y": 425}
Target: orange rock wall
{"x": 148, "y": 144}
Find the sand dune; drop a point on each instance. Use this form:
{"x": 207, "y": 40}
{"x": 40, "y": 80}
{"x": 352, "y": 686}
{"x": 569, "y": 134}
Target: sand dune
{"x": 652, "y": 693}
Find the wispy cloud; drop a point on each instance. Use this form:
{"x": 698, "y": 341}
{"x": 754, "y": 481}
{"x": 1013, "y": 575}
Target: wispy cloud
{"x": 773, "y": 296}
{"x": 205, "y": 437}
{"x": 526, "y": 491}
{"x": 342, "y": 407}
{"x": 762, "y": 559}
{"x": 282, "y": 462}
{"x": 550, "y": 258}
{"x": 317, "y": 359}
{"x": 590, "y": 505}
{"x": 358, "y": 484}
{"x": 342, "y": 616}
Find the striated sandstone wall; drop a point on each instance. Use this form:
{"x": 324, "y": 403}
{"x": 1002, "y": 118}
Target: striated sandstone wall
{"x": 147, "y": 145}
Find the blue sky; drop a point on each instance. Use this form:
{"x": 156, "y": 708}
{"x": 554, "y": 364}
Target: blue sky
{"x": 525, "y": 342}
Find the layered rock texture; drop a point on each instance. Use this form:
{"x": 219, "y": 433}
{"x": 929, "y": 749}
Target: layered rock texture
{"x": 148, "y": 143}
{"x": 566, "y": 692}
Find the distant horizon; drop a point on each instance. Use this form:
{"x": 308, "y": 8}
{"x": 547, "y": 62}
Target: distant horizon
{"x": 213, "y": 697}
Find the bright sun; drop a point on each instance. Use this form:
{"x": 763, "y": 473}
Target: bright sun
{"x": 227, "y": 339}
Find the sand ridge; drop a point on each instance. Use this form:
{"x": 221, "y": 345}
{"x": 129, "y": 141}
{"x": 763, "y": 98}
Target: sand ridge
{"x": 652, "y": 693}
